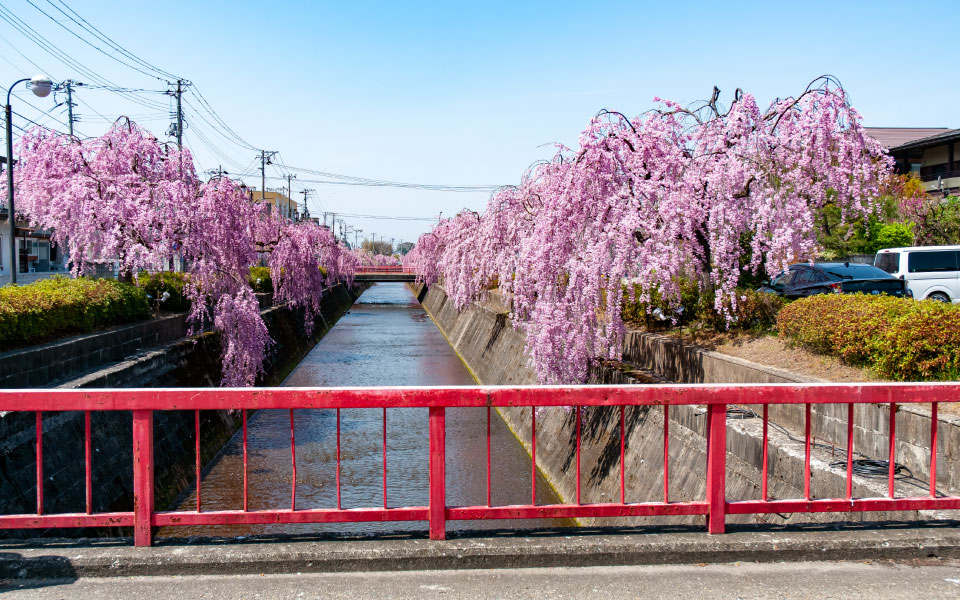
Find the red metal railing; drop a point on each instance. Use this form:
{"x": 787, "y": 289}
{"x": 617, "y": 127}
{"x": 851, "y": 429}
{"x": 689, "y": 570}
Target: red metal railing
{"x": 714, "y": 506}
{"x": 363, "y": 270}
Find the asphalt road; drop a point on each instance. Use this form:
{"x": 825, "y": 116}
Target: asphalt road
{"x": 874, "y": 580}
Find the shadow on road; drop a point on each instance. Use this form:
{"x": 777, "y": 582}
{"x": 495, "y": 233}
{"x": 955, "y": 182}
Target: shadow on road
{"x": 22, "y": 573}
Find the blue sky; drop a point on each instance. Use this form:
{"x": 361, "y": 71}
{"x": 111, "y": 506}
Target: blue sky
{"x": 464, "y": 94}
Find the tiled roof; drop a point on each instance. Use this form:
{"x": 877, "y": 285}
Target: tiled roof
{"x": 891, "y": 137}
{"x": 944, "y": 137}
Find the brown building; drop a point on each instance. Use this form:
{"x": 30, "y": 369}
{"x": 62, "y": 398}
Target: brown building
{"x": 279, "y": 204}
{"x": 932, "y": 153}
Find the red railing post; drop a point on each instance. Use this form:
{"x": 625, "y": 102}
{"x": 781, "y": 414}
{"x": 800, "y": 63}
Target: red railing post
{"x": 438, "y": 475}
{"x": 716, "y": 467}
{"x": 142, "y": 477}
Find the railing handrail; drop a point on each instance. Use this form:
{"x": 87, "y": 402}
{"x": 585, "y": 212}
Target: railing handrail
{"x": 144, "y": 402}
{"x": 390, "y": 269}
{"x": 944, "y": 175}
{"x": 475, "y": 396}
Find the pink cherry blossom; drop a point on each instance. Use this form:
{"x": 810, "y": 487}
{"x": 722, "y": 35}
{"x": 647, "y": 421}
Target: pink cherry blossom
{"x": 674, "y": 194}
{"x": 126, "y": 196}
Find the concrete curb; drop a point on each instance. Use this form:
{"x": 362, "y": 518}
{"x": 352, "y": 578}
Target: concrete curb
{"x": 112, "y": 558}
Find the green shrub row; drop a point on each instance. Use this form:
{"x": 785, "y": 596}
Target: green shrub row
{"x": 52, "y": 308}
{"x": 898, "y": 338}
{"x": 260, "y": 280}
{"x": 754, "y": 311}
{"x": 155, "y": 284}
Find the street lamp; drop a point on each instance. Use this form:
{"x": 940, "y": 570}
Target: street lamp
{"x": 41, "y": 86}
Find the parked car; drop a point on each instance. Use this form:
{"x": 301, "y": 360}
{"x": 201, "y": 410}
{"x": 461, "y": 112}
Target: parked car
{"x": 931, "y": 272}
{"x": 804, "y": 279}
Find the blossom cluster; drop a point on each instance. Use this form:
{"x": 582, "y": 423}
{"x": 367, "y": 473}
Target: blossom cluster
{"x": 125, "y": 196}
{"x": 672, "y": 195}
{"x": 369, "y": 259}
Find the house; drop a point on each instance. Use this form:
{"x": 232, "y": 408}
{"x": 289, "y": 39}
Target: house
{"x": 932, "y": 153}
{"x": 279, "y": 203}
{"x": 36, "y": 257}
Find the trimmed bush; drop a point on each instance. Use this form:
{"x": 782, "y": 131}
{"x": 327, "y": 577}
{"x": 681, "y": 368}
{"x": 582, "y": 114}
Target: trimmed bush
{"x": 60, "y": 306}
{"x": 658, "y": 312}
{"x": 898, "y": 338}
{"x": 260, "y": 280}
{"x": 754, "y": 311}
{"x": 155, "y": 284}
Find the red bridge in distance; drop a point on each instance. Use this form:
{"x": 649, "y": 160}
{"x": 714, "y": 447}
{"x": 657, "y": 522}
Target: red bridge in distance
{"x": 374, "y": 274}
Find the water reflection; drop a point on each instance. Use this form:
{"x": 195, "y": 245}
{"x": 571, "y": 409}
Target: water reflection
{"x": 385, "y": 339}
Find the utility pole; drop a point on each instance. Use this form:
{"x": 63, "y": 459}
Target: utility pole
{"x": 217, "y": 173}
{"x": 176, "y": 129}
{"x": 306, "y": 207}
{"x": 290, "y": 178}
{"x": 68, "y": 84}
{"x": 265, "y": 156}
{"x": 356, "y": 233}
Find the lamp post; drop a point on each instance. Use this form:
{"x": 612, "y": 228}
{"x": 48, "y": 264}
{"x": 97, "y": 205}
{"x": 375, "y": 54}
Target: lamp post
{"x": 41, "y": 86}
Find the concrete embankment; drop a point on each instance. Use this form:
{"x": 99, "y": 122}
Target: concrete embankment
{"x": 494, "y": 351}
{"x": 186, "y": 362}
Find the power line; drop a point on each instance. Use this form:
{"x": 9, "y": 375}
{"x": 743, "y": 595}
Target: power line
{"x": 106, "y": 39}
{"x": 35, "y": 37}
{"x": 219, "y": 120}
{"x": 86, "y": 26}
{"x": 398, "y": 185}
{"x": 84, "y": 40}
{"x": 387, "y": 217}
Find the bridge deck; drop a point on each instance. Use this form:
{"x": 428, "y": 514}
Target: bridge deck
{"x": 381, "y": 277}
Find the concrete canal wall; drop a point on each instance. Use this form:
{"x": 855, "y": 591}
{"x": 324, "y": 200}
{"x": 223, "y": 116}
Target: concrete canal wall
{"x": 493, "y": 350}
{"x": 189, "y": 362}
{"x": 37, "y": 366}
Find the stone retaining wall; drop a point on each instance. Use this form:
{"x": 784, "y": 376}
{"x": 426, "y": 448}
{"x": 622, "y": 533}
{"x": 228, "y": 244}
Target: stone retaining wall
{"x": 685, "y": 363}
{"x": 37, "y": 366}
{"x": 493, "y": 350}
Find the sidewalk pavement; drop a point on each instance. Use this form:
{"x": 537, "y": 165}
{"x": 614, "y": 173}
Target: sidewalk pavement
{"x": 581, "y": 547}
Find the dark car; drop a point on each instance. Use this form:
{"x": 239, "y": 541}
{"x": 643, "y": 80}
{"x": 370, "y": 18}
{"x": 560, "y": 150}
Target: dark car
{"x": 804, "y": 279}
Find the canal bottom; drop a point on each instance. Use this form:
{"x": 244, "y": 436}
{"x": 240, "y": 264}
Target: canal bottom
{"x": 386, "y": 339}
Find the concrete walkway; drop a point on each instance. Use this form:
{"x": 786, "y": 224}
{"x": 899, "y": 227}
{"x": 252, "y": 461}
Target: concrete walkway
{"x": 581, "y": 548}
{"x": 873, "y": 580}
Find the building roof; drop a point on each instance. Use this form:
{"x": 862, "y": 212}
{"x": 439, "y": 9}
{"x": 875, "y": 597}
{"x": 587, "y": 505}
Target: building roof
{"x": 944, "y": 137}
{"x": 892, "y": 137}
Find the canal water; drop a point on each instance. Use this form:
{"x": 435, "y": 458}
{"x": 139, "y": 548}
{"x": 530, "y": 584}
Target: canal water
{"x": 386, "y": 339}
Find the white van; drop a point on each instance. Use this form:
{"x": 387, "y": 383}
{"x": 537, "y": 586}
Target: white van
{"x": 931, "y": 272}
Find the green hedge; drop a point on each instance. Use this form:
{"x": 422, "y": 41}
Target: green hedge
{"x": 260, "y": 280}
{"x": 155, "y": 284}
{"x": 755, "y": 311}
{"x": 60, "y": 306}
{"x": 898, "y": 338}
